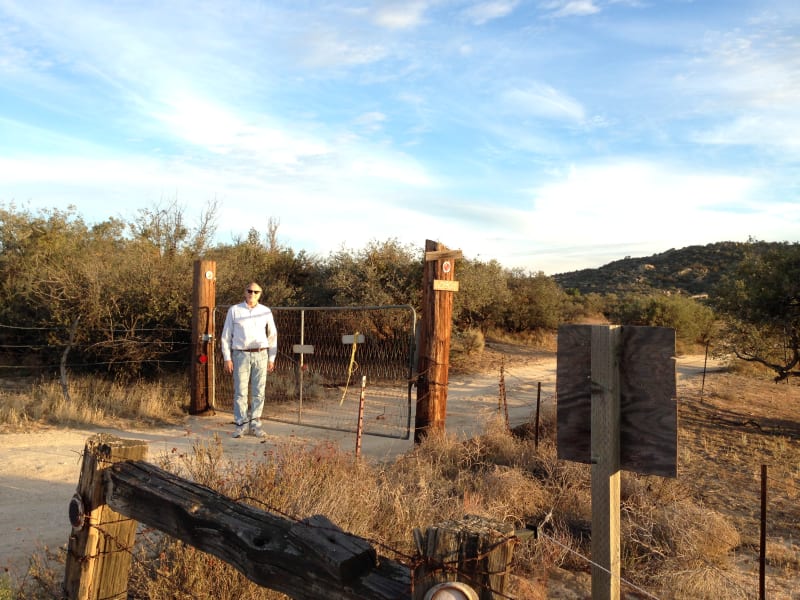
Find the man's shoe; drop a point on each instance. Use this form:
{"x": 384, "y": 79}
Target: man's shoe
{"x": 239, "y": 431}
{"x": 258, "y": 432}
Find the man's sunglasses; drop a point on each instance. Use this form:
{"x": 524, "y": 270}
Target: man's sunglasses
{"x": 253, "y": 291}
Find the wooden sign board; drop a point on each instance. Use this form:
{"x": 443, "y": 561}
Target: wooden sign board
{"x": 351, "y": 339}
{"x": 442, "y": 254}
{"x": 445, "y": 285}
{"x": 303, "y": 349}
{"x": 648, "y": 398}
{"x": 648, "y": 401}
{"x": 574, "y": 393}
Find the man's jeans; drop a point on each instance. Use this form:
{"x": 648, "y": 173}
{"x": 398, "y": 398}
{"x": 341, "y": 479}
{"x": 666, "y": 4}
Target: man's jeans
{"x": 249, "y": 374}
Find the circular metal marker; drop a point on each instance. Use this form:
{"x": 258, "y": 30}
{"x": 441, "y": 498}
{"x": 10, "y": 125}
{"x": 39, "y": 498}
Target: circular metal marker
{"x": 451, "y": 590}
{"x": 77, "y": 515}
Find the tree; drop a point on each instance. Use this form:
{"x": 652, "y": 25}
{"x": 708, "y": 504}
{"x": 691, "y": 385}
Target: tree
{"x": 281, "y": 272}
{"x": 761, "y": 300}
{"x": 130, "y": 295}
{"x": 537, "y": 302}
{"x": 165, "y": 228}
{"x": 382, "y": 273}
{"x": 482, "y": 295}
{"x": 693, "y": 321}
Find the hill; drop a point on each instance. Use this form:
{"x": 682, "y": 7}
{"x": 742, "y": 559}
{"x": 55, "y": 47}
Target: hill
{"x": 693, "y": 270}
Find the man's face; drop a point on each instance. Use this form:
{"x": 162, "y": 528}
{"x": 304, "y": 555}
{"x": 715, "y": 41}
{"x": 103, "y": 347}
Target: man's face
{"x": 252, "y": 294}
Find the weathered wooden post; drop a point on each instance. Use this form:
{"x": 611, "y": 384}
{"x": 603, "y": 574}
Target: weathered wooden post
{"x": 605, "y": 407}
{"x": 202, "y": 358}
{"x": 475, "y": 551}
{"x": 438, "y": 285}
{"x": 99, "y": 549}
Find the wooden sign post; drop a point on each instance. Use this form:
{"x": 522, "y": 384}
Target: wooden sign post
{"x": 605, "y": 409}
{"x": 616, "y": 410}
{"x": 202, "y": 359}
{"x": 438, "y": 286}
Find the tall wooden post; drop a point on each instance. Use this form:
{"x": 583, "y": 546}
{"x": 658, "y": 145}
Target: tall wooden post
{"x": 202, "y": 348}
{"x": 100, "y": 547}
{"x": 605, "y": 448}
{"x": 438, "y": 285}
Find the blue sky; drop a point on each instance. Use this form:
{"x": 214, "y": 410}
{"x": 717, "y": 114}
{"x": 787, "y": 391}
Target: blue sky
{"x": 550, "y": 135}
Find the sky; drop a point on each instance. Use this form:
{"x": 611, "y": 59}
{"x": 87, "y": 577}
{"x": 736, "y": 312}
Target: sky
{"x": 548, "y": 135}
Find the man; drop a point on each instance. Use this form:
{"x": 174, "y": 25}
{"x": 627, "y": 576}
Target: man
{"x": 249, "y": 347}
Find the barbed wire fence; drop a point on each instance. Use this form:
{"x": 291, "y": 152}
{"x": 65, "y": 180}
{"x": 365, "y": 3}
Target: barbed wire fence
{"x": 70, "y": 355}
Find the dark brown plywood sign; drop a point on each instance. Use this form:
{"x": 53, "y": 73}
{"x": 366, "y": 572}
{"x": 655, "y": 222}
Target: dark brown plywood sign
{"x": 647, "y": 396}
{"x": 574, "y": 393}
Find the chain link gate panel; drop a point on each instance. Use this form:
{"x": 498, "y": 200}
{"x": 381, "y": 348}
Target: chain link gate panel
{"x": 323, "y": 355}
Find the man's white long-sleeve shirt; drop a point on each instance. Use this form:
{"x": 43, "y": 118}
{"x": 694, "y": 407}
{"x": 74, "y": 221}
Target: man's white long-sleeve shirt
{"x": 249, "y": 329}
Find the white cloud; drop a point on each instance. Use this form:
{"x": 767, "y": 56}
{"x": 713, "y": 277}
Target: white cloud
{"x": 571, "y": 8}
{"x": 215, "y": 128}
{"x": 392, "y": 168}
{"x": 640, "y": 202}
{"x": 401, "y": 14}
{"x": 756, "y": 130}
{"x": 200, "y": 122}
{"x": 483, "y": 12}
{"x": 747, "y": 82}
{"x": 371, "y": 121}
{"x": 326, "y": 48}
{"x": 77, "y": 170}
{"x": 541, "y": 100}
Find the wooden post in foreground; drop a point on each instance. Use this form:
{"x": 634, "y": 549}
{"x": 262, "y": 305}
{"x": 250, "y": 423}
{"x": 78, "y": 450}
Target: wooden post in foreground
{"x": 438, "y": 285}
{"x": 99, "y": 549}
{"x": 474, "y": 551}
{"x": 202, "y": 357}
{"x": 605, "y": 458}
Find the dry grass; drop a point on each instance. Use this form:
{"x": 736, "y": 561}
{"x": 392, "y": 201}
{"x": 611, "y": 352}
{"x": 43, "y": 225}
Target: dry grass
{"x": 91, "y": 401}
{"x": 692, "y": 537}
{"x": 740, "y": 423}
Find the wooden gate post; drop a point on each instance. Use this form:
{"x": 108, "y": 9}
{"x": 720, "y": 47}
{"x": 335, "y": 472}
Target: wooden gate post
{"x": 438, "y": 285}
{"x": 202, "y": 357}
{"x": 475, "y": 551}
{"x": 99, "y": 549}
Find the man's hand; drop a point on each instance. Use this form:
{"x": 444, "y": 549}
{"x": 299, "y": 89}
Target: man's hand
{"x": 229, "y": 366}
{"x": 271, "y": 367}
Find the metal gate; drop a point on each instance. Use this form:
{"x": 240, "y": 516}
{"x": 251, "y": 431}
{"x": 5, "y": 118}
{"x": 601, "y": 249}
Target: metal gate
{"x": 324, "y": 354}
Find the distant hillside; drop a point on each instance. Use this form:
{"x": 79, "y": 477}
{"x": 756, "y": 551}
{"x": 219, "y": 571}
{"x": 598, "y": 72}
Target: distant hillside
{"x": 692, "y": 270}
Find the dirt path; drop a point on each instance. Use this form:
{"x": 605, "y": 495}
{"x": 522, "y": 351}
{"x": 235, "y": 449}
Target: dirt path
{"x": 39, "y": 470}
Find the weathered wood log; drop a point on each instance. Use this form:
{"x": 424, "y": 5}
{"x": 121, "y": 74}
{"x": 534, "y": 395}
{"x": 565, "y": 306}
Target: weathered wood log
{"x": 304, "y": 560}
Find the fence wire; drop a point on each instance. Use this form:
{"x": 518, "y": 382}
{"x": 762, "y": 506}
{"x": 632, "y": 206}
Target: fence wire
{"x": 324, "y": 356}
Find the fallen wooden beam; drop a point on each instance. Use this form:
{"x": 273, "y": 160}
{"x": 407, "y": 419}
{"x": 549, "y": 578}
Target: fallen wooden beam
{"x": 305, "y": 560}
